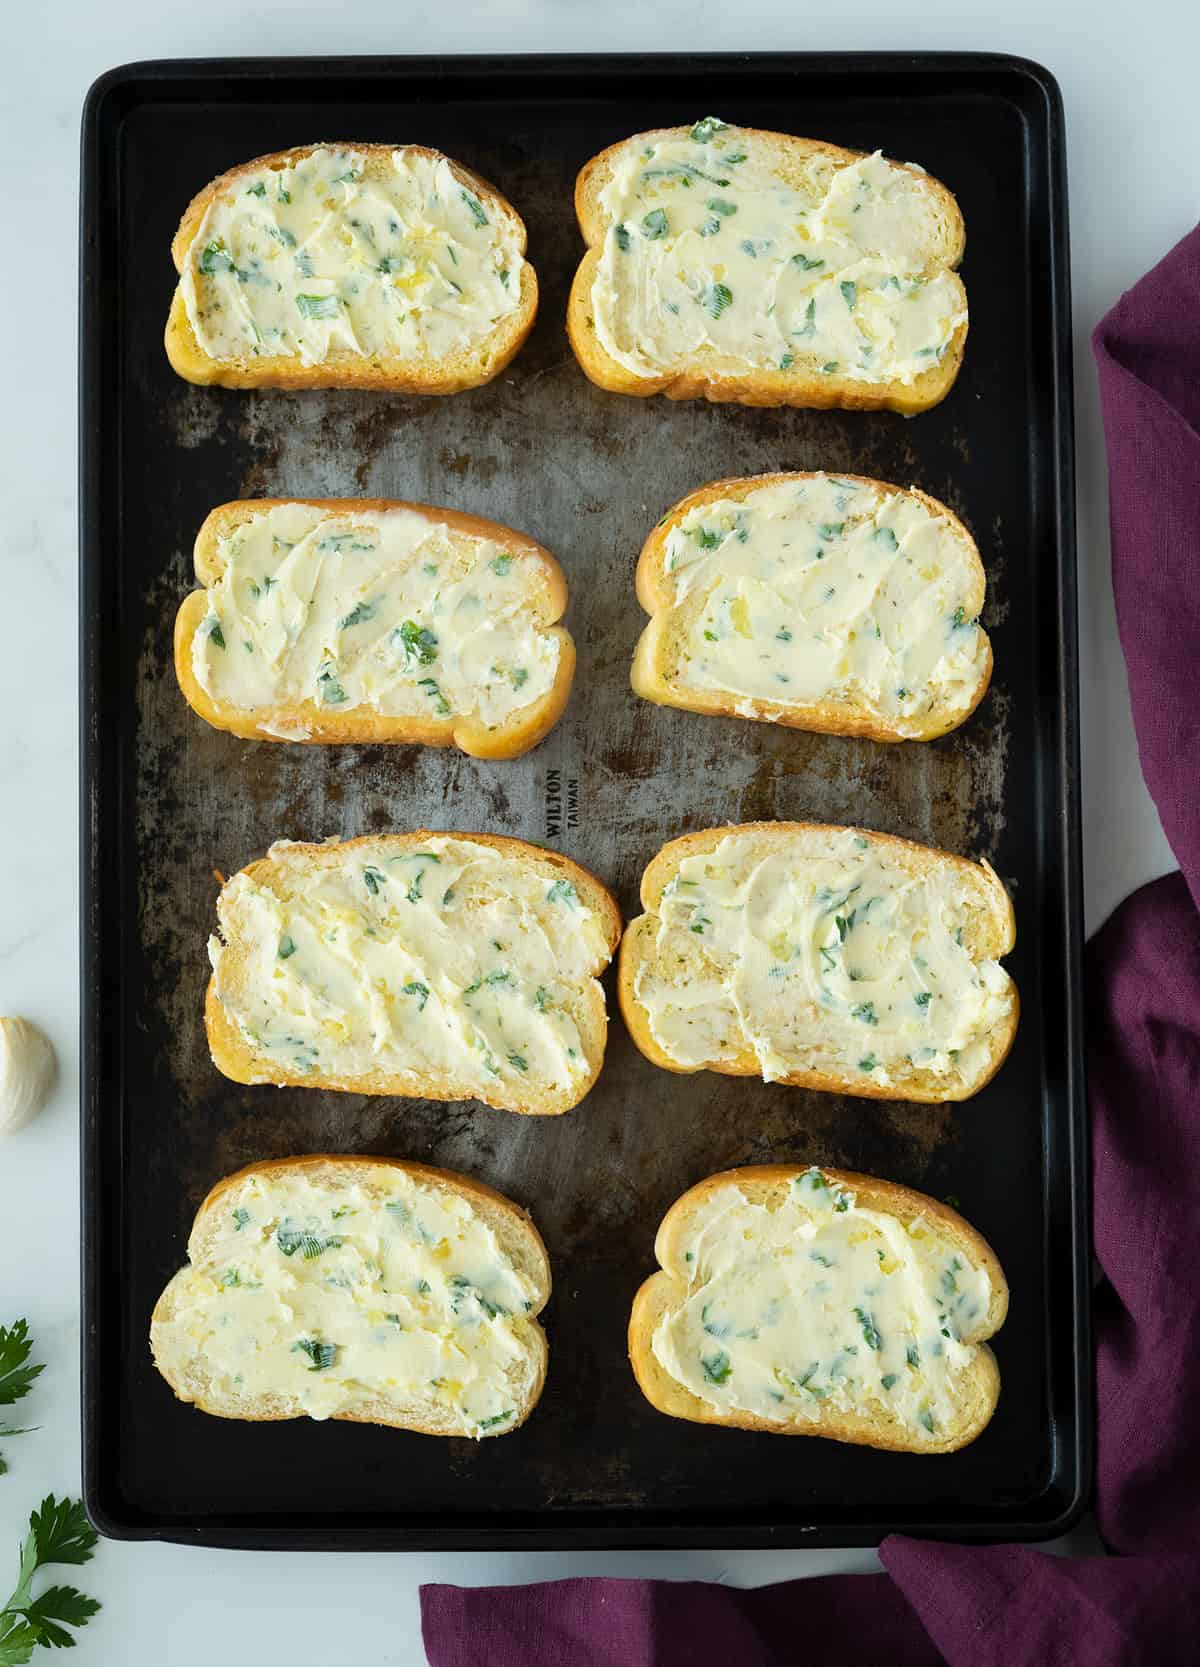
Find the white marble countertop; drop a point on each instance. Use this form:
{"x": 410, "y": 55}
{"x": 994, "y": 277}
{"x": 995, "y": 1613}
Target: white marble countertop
{"x": 1134, "y": 192}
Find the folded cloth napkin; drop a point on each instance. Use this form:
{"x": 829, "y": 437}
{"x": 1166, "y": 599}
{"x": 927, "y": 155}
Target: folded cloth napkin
{"x": 1007, "y": 1606}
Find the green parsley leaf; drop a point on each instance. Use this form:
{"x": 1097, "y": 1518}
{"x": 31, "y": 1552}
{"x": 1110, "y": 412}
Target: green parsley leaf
{"x": 621, "y": 234}
{"x": 849, "y": 291}
{"x": 16, "y": 1378}
{"x": 287, "y": 946}
{"x": 655, "y": 225}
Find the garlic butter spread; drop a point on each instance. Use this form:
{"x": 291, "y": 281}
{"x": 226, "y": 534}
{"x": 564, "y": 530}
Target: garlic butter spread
{"x": 388, "y": 610}
{"x": 820, "y": 952}
{"x": 453, "y": 962}
{"x": 821, "y": 1306}
{"x": 335, "y": 254}
{"x": 824, "y": 590}
{"x": 710, "y": 251}
{"x": 331, "y": 1296}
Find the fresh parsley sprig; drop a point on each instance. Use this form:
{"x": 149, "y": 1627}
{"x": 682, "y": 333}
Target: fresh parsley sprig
{"x": 16, "y": 1377}
{"x": 59, "y": 1532}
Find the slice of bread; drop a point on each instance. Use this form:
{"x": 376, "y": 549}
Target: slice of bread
{"x": 822, "y": 957}
{"x": 770, "y": 270}
{"x": 441, "y": 966}
{"x": 358, "y": 1288}
{"x": 350, "y": 266}
{"x": 830, "y": 603}
{"x": 819, "y": 1302}
{"x": 372, "y": 620}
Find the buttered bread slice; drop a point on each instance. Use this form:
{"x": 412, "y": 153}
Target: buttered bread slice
{"x": 369, "y": 620}
{"x": 771, "y": 270}
{"x": 350, "y": 266}
{"x": 823, "y": 602}
{"x": 816, "y": 1302}
{"x": 823, "y": 957}
{"x": 434, "y": 965}
{"x": 358, "y": 1288}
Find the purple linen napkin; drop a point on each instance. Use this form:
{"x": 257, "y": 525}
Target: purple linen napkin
{"x": 1008, "y": 1606}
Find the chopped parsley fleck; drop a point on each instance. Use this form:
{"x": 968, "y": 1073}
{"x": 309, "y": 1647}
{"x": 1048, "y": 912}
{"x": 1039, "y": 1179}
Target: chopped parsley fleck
{"x": 419, "y": 642}
{"x": 215, "y": 258}
{"x": 870, "y": 1330}
{"x": 704, "y": 129}
{"x": 290, "y": 1238}
{"x": 374, "y": 878}
{"x": 562, "y": 891}
{"x": 475, "y": 206}
{"x": 440, "y": 704}
{"x": 849, "y": 291}
{"x": 870, "y": 1063}
{"x": 322, "y": 1355}
{"x": 287, "y": 946}
{"x": 715, "y": 298}
{"x": 318, "y": 306}
{"x": 501, "y": 565}
{"x": 621, "y": 234}
{"x": 655, "y": 225}
{"x": 240, "y": 1218}
{"x": 329, "y": 689}
{"x": 359, "y": 614}
{"x": 716, "y": 1366}
{"x": 421, "y": 991}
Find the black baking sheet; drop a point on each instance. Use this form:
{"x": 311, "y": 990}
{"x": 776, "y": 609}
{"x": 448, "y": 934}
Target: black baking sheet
{"x": 166, "y": 800}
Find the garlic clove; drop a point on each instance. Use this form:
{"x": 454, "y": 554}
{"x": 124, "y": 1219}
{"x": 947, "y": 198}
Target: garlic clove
{"x": 27, "y": 1071}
